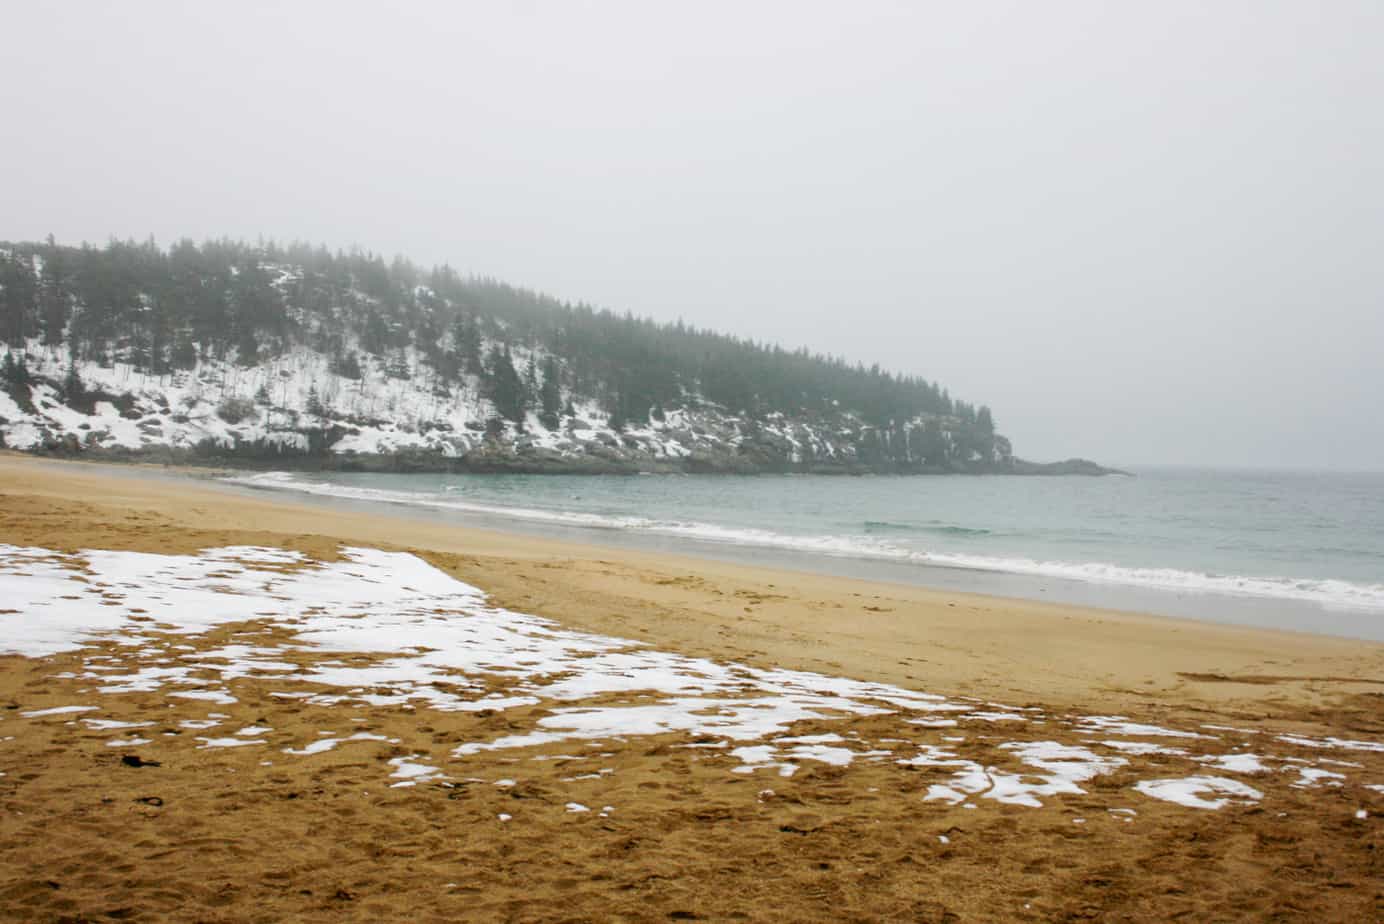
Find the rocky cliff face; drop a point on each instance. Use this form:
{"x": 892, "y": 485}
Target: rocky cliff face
{"x": 295, "y": 410}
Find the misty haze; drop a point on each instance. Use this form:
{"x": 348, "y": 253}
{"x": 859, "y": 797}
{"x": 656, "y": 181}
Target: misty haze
{"x": 629, "y": 461}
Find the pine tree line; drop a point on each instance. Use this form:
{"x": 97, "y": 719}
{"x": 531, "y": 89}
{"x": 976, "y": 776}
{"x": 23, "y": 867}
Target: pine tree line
{"x": 164, "y": 309}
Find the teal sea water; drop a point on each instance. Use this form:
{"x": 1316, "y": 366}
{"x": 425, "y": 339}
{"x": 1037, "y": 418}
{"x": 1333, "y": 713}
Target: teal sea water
{"x": 1290, "y": 549}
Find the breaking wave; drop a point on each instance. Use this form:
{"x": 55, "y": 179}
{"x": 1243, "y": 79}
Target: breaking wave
{"x": 1326, "y": 592}
{"x": 936, "y": 528}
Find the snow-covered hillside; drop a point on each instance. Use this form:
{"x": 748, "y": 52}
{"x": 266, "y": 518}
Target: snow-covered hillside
{"x": 295, "y": 407}
{"x": 229, "y": 352}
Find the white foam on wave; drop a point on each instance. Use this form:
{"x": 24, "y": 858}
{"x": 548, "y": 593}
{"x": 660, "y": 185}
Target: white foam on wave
{"x": 1332, "y": 593}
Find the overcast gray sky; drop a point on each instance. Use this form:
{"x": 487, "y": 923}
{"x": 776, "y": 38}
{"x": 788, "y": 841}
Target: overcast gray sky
{"x": 1141, "y": 232}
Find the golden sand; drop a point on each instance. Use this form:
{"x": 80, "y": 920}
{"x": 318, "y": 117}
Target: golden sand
{"x": 215, "y": 835}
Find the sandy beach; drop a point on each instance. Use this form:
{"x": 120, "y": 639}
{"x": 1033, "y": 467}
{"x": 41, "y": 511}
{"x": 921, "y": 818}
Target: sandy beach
{"x": 846, "y": 750}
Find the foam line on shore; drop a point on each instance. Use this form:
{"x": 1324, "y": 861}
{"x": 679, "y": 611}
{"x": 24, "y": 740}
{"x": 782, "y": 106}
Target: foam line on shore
{"x": 1335, "y": 594}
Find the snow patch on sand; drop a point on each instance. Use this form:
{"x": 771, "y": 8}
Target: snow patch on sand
{"x": 56, "y": 710}
{"x": 322, "y": 745}
{"x": 409, "y": 772}
{"x": 1203, "y": 792}
{"x": 1236, "y": 763}
{"x": 410, "y": 635}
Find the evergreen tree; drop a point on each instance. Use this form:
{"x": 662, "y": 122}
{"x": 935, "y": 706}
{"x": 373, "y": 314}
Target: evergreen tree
{"x": 184, "y": 352}
{"x": 550, "y": 394}
{"x": 617, "y": 420}
{"x": 316, "y": 410}
{"x": 985, "y": 423}
{"x": 934, "y": 444}
{"x": 375, "y": 337}
{"x": 17, "y": 381}
{"x": 984, "y": 435}
{"x": 466, "y": 343}
{"x": 247, "y": 349}
{"x": 347, "y": 365}
{"x": 55, "y": 293}
{"x": 398, "y": 366}
{"x": 503, "y": 386}
{"x": 73, "y": 390}
{"x": 18, "y": 314}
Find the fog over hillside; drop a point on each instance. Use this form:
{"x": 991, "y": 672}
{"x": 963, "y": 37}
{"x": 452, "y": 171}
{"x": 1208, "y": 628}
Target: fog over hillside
{"x": 1146, "y": 233}
{"x": 275, "y": 355}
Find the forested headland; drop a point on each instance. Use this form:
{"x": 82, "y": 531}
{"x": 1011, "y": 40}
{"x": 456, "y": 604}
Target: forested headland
{"x": 295, "y": 354}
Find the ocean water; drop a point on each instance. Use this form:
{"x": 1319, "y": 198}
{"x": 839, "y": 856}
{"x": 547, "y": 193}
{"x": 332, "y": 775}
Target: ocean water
{"x": 1294, "y": 550}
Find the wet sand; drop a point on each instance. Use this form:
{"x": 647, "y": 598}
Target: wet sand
{"x": 215, "y": 834}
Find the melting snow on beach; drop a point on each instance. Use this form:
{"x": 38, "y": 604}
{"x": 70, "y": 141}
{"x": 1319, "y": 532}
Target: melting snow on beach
{"x": 389, "y": 630}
